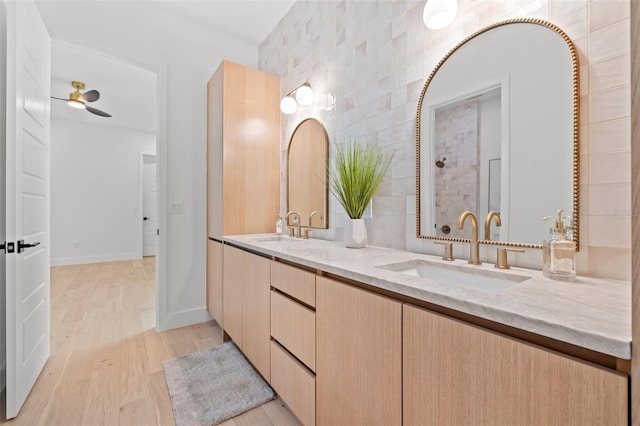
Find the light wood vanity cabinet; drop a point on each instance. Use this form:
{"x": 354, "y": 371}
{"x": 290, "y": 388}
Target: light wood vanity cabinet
{"x": 246, "y": 312}
{"x": 214, "y": 280}
{"x": 293, "y": 329}
{"x": 359, "y": 356}
{"x": 243, "y": 151}
{"x": 338, "y": 354}
{"x": 458, "y": 374}
{"x": 243, "y": 160}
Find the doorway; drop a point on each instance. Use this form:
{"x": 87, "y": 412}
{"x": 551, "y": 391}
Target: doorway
{"x": 149, "y": 206}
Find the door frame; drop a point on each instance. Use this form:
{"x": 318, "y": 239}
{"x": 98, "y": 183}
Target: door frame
{"x": 162, "y": 181}
{"x": 162, "y": 88}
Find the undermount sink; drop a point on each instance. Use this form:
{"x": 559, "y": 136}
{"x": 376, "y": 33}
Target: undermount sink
{"x": 273, "y": 238}
{"x": 457, "y": 275}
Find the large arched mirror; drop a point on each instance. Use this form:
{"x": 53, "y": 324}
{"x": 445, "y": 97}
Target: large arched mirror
{"x": 497, "y": 130}
{"x": 307, "y": 160}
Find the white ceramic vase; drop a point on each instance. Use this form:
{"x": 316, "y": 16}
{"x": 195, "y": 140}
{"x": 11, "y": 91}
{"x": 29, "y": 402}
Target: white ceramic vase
{"x": 355, "y": 233}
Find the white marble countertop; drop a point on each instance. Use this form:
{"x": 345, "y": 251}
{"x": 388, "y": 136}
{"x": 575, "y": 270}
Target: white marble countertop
{"x": 589, "y": 312}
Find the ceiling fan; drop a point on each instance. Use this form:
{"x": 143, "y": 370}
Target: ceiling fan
{"x": 79, "y": 100}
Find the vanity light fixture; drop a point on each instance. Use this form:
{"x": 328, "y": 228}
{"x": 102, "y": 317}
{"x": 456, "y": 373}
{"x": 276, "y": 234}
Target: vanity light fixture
{"x": 303, "y": 96}
{"x": 288, "y": 105}
{"x": 439, "y": 14}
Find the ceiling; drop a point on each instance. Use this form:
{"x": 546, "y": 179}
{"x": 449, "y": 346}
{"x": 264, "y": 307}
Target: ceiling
{"x": 128, "y": 92}
{"x": 247, "y": 20}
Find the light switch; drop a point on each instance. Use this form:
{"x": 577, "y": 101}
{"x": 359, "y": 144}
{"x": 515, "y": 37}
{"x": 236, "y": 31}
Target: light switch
{"x": 176, "y": 207}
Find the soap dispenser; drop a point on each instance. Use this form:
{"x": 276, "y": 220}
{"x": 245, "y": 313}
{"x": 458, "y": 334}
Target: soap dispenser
{"x": 279, "y": 225}
{"x": 559, "y": 252}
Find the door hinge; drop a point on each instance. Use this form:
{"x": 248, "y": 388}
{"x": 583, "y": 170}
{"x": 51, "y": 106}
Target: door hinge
{"x": 157, "y": 232}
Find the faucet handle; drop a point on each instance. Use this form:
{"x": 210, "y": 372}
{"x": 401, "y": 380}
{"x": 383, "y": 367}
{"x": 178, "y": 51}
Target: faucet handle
{"x": 448, "y": 249}
{"x": 502, "y": 260}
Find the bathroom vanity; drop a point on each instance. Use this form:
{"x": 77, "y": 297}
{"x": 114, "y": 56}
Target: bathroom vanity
{"x": 358, "y": 337}
{"x": 389, "y": 337}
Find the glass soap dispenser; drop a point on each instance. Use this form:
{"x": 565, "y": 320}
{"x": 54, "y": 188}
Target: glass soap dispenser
{"x": 559, "y": 252}
{"x": 279, "y": 225}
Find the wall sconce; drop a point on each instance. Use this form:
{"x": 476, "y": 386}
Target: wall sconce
{"x": 303, "y": 96}
{"x": 439, "y": 14}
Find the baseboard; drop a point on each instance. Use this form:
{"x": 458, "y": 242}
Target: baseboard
{"x": 81, "y": 260}
{"x": 182, "y": 318}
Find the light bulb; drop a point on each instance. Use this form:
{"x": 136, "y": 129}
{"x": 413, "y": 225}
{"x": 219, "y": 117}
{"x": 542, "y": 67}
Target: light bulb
{"x": 76, "y": 104}
{"x": 439, "y": 13}
{"x": 288, "y": 105}
{"x": 304, "y": 95}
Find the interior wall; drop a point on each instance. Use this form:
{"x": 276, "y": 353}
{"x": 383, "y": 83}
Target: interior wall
{"x": 376, "y": 63}
{"x": 95, "y": 192}
{"x": 456, "y": 184}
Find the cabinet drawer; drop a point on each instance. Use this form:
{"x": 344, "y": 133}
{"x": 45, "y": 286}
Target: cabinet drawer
{"x": 294, "y": 327}
{"x": 295, "y": 385}
{"x": 295, "y": 282}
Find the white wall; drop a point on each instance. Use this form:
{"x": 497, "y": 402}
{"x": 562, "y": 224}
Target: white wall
{"x": 95, "y": 194}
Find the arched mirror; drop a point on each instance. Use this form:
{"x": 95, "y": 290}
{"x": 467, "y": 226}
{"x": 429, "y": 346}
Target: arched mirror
{"x": 497, "y": 130}
{"x": 307, "y": 160}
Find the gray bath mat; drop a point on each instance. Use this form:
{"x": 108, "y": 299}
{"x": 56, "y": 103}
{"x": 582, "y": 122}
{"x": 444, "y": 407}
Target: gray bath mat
{"x": 213, "y": 385}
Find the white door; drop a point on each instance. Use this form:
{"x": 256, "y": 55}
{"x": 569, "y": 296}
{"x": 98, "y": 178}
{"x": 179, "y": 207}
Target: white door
{"x": 27, "y": 198}
{"x": 149, "y": 212}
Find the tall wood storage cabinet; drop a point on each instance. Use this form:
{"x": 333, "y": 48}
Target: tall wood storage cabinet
{"x": 243, "y": 159}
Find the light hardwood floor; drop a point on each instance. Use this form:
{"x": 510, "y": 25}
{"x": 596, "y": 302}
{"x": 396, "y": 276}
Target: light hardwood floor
{"x": 106, "y": 356}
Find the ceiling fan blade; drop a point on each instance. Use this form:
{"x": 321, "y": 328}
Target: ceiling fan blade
{"x": 97, "y": 111}
{"x": 60, "y": 99}
{"x": 90, "y": 96}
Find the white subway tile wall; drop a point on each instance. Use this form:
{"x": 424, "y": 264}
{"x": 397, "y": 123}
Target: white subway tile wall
{"x": 375, "y": 56}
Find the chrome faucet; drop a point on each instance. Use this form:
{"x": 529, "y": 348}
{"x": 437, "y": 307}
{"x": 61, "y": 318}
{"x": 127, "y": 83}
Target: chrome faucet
{"x": 474, "y": 256}
{"x": 313, "y": 213}
{"x": 296, "y": 223}
{"x": 487, "y": 223}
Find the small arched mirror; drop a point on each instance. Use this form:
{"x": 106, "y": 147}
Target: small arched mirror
{"x": 497, "y": 131}
{"x": 307, "y": 160}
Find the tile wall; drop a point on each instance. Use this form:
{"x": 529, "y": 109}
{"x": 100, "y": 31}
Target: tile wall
{"x": 456, "y": 185}
{"x": 375, "y": 56}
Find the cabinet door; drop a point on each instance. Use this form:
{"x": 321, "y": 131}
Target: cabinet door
{"x": 358, "y": 358}
{"x": 243, "y": 167}
{"x": 256, "y": 312}
{"x": 214, "y": 280}
{"x": 458, "y": 374}
{"x": 233, "y": 278}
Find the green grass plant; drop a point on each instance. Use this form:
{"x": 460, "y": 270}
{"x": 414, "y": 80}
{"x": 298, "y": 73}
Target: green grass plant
{"x": 356, "y": 174}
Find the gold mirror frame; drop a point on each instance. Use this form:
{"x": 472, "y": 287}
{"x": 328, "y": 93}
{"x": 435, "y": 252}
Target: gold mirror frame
{"x": 319, "y": 147}
{"x": 576, "y": 134}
